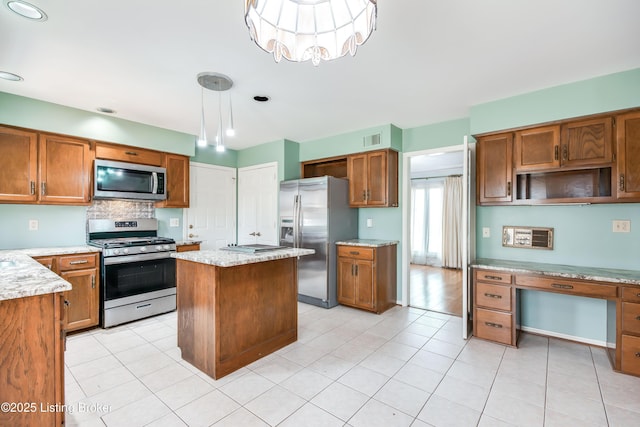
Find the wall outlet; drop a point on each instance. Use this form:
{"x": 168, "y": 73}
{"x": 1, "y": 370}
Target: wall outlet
{"x": 174, "y": 222}
{"x": 621, "y": 226}
{"x": 369, "y": 222}
{"x": 33, "y": 225}
{"x": 486, "y": 232}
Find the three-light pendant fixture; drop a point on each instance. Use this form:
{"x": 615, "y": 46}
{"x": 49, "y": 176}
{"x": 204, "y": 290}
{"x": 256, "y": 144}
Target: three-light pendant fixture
{"x": 218, "y": 83}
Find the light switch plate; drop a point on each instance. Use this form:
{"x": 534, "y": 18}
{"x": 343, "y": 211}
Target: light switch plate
{"x": 174, "y": 222}
{"x": 369, "y": 222}
{"x": 486, "y": 232}
{"x": 621, "y": 226}
{"x": 33, "y": 225}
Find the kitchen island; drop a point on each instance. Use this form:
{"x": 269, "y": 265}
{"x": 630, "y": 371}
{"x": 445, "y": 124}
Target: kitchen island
{"x": 234, "y": 308}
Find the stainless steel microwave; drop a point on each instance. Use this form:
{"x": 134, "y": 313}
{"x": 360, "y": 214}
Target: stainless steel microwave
{"x": 120, "y": 180}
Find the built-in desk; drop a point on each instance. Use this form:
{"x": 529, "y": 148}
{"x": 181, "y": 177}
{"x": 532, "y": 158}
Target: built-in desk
{"x": 496, "y": 308}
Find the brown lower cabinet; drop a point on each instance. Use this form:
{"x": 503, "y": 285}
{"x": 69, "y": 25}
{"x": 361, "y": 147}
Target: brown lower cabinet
{"x": 83, "y": 300}
{"x": 496, "y": 311}
{"x": 367, "y": 277}
{"x": 188, "y": 247}
{"x": 32, "y": 361}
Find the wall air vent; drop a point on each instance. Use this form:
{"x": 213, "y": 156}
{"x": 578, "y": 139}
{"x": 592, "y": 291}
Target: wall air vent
{"x": 527, "y": 237}
{"x": 371, "y": 140}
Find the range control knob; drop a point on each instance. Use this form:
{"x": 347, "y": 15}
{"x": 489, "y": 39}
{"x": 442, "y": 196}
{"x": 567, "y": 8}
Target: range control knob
{"x": 125, "y": 250}
{"x": 116, "y": 251}
{"x": 143, "y": 248}
{"x": 159, "y": 248}
{"x": 166, "y": 247}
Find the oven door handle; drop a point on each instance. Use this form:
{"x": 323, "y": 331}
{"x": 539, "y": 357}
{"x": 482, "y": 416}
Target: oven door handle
{"x": 138, "y": 257}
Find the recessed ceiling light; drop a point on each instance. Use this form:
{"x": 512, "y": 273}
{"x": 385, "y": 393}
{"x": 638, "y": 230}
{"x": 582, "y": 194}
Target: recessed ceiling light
{"x": 106, "y": 110}
{"x": 261, "y": 98}
{"x": 26, "y": 10}
{"x": 10, "y": 76}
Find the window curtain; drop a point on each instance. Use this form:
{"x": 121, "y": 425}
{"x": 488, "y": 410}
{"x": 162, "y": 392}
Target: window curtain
{"x": 426, "y": 221}
{"x": 452, "y": 223}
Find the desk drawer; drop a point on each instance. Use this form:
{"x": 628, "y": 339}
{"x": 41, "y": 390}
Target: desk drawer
{"x": 631, "y": 293}
{"x": 357, "y": 252}
{"x": 493, "y": 276}
{"x": 493, "y": 296}
{"x": 631, "y": 317}
{"x": 493, "y": 326}
{"x": 631, "y": 355}
{"x": 568, "y": 286}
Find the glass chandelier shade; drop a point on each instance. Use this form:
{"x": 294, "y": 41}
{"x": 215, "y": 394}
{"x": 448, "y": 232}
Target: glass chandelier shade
{"x": 302, "y": 30}
{"x": 219, "y": 83}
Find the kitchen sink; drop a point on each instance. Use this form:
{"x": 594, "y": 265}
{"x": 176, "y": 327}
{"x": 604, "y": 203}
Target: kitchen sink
{"x": 252, "y": 249}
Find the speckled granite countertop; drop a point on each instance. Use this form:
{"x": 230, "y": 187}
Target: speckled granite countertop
{"x": 22, "y": 276}
{"x": 370, "y": 243}
{"x": 630, "y": 277}
{"x": 222, "y": 258}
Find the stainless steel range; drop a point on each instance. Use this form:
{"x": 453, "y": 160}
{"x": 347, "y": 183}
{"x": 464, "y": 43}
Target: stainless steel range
{"x": 138, "y": 274}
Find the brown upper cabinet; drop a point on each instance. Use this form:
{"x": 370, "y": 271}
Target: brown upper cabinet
{"x": 123, "y": 153}
{"x": 628, "y": 147}
{"x": 495, "y": 169}
{"x": 537, "y": 148}
{"x": 44, "y": 168}
{"x": 373, "y": 178}
{"x": 587, "y": 142}
{"x": 177, "y": 181}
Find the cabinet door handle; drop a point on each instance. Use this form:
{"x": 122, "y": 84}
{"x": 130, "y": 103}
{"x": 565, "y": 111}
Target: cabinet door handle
{"x": 33, "y": 187}
{"x": 492, "y": 277}
{"x": 356, "y": 269}
{"x": 493, "y": 296}
{"x": 364, "y": 195}
{"x": 493, "y": 325}
{"x": 560, "y": 286}
{"x": 93, "y": 282}
{"x": 555, "y": 154}
{"x": 638, "y": 354}
{"x": 43, "y": 188}
{"x": 621, "y": 182}
{"x": 638, "y": 318}
{"x": 67, "y": 303}
{"x": 509, "y": 188}
{"x": 353, "y": 270}
{"x": 82, "y": 261}
{"x": 565, "y": 152}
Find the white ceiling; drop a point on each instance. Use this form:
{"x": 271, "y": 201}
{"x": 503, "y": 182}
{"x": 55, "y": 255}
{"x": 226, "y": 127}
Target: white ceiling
{"x": 428, "y": 61}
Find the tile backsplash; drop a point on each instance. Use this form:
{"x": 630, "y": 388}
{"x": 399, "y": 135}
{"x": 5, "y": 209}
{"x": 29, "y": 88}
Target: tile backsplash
{"x": 101, "y": 209}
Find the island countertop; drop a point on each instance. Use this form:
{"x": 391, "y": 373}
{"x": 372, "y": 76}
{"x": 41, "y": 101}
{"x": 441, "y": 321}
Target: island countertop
{"x": 368, "y": 243}
{"x": 22, "y": 276}
{"x": 222, "y": 258}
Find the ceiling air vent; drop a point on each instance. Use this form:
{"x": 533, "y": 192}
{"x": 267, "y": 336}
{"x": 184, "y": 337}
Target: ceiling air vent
{"x": 527, "y": 237}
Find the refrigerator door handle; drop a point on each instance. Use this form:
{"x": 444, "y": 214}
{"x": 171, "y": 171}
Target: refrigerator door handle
{"x": 296, "y": 222}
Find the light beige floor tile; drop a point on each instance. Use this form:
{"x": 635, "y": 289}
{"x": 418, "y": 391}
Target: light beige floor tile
{"x": 331, "y": 366}
{"x": 246, "y": 388}
{"x": 278, "y": 369}
{"x": 439, "y": 411}
{"x": 306, "y": 383}
{"x": 184, "y": 392}
{"x": 403, "y": 397}
{"x": 514, "y": 411}
{"x": 206, "y": 410}
{"x": 241, "y": 418}
{"x": 556, "y": 419}
{"x": 382, "y": 363}
{"x": 462, "y": 392}
{"x": 169, "y": 420}
{"x": 95, "y": 367}
{"x": 576, "y": 405}
{"x": 399, "y": 351}
{"x": 472, "y": 374}
{"x": 364, "y": 380}
{"x": 410, "y": 339}
{"x": 377, "y": 414}
{"x": 275, "y": 405}
{"x": 166, "y": 376}
{"x": 138, "y": 413}
{"x": 417, "y": 376}
{"x": 620, "y": 417}
{"x": 310, "y": 415}
{"x": 432, "y": 361}
{"x": 518, "y": 388}
{"x": 119, "y": 340}
{"x": 340, "y": 401}
{"x": 107, "y": 380}
{"x": 443, "y": 348}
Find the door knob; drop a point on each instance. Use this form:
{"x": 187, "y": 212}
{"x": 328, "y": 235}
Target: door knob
{"x": 190, "y": 225}
{"x": 258, "y": 234}
{"x": 192, "y": 235}
{"x": 252, "y": 234}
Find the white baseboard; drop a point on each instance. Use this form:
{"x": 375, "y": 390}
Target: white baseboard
{"x": 582, "y": 340}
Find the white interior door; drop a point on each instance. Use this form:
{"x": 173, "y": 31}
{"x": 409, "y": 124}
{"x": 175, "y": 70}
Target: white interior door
{"x": 258, "y": 204}
{"x": 211, "y": 217}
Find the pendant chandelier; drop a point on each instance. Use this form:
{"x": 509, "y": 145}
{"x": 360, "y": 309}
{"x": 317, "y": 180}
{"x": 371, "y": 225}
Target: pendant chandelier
{"x": 219, "y": 83}
{"x": 299, "y": 30}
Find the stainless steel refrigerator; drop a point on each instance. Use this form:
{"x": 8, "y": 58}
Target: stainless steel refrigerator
{"x": 314, "y": 214}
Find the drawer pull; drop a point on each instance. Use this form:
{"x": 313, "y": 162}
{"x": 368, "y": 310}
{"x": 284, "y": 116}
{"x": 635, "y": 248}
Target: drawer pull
{"x": 493, "y": 296}
{"x": 638, "y": 354}
{"x": 130, "y": 153}
{"x": 560, "y": 286}
{"x": 492, "y": 277}
{"x": 493, "y": 325}
{"x": 354, "y": 253}
{"x": 143, "y": 305}
{"x": 638, "y": 318}
{"x": 82, "y": 261}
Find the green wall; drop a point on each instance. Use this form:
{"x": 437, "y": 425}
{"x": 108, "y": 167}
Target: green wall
{"x": 45, "y": 116}
{"x": 583, "y": 234}
{"x": 208, "y": 154}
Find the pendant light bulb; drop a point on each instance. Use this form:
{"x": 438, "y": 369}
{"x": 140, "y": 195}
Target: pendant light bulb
{"x": 202, "y": 140}
{"x": 231, "y": 131}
